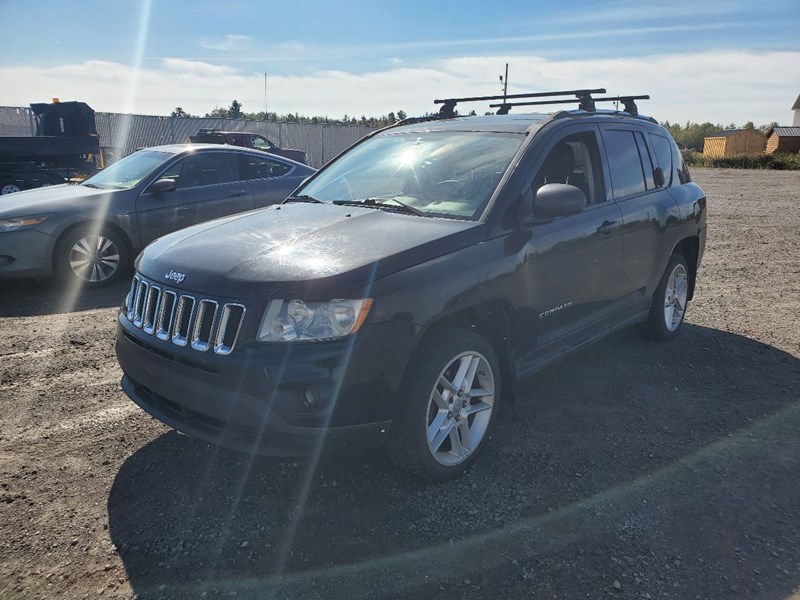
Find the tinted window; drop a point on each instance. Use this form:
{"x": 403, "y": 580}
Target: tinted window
{"x": 663, "y": 150}
{"x": 257, "y": 167}
{"x": 575, "y": 160}
{"x": 203, "y": 169}
{"x": 627, "y": 176}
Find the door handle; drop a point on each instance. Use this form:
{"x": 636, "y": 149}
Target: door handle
{"x": 237, "y": 193}
{"x": 182, "y": 212}
{"x": 608, "y": 226}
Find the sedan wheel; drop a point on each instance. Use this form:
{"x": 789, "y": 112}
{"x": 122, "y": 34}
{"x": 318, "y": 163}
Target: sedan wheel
{"x": 91, "y": 257}
{"x": 9, "y": 188}
{"x": 94, "y": 258}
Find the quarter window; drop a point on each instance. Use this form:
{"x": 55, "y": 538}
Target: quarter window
{"x": 627, "y": 175}
{"x": 663, "y": 151}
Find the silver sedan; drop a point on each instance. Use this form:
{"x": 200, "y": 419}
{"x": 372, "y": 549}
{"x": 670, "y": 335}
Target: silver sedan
{"x": 90, "y": 232}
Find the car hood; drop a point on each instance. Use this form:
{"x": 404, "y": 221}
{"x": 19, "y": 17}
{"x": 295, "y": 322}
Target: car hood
{"x": 313, "y": 251}
{"x": 45, "y": 200}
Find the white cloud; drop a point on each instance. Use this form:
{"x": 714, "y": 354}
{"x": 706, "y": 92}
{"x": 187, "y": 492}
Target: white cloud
{"x": 226, "y": 44}
{"x": 718, "y": 86}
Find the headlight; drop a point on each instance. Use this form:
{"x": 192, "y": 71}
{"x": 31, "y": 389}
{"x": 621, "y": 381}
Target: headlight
{"x": 20, "y": 222}
{"x": 295, "y": 320}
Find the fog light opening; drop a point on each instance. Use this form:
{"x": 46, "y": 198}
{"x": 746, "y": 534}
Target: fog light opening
{"x": 309, "y": 398}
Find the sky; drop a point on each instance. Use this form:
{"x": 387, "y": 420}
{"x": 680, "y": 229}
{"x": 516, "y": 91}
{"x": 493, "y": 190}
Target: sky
{"x": 727, "y": 61}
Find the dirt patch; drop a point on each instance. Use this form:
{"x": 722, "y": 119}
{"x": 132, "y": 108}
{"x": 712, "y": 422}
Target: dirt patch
{"x": 631, "y": 470}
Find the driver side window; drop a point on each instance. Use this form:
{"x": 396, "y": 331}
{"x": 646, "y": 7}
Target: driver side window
{"x": 575, "y": 160}
{"x": 202, "y": 169}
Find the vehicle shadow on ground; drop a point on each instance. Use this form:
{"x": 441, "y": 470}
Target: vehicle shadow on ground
{"x": 27, "y": 298}
{"x": 632, "y": 468}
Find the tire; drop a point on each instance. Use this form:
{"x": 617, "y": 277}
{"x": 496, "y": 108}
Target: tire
{"x": 8, "y": 187}
{"x": 430, "y": 405}
{"x": 91, "y": 258}
{"x": 668, "y": 308}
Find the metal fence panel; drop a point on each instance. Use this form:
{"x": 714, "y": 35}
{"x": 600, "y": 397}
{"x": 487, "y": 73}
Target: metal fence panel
{"x": 16, "y": 122}
{"x": 123, "y": 134}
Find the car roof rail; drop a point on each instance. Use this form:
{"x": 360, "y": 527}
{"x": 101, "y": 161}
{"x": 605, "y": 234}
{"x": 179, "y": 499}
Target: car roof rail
{"x": 628, "y": 102}
{"x": 584, "y": 97}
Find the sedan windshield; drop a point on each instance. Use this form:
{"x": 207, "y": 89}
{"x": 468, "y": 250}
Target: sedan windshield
{"x": 129, "y": 171}
{"x": 447, "y": 173}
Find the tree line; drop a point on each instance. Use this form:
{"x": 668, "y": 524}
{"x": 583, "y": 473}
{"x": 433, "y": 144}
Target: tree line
{"x": 235, "y": 111}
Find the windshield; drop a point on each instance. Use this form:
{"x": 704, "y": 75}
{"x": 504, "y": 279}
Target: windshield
{"x": 129, "y": 171}
{"x": 448, "y": 173}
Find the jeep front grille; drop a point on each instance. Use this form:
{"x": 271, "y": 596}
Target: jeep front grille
{"x": 183, "y": 319}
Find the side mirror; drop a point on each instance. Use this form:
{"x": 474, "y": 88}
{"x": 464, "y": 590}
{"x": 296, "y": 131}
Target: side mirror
{"x": 558, "y": 200}
{"x": 658, "y": 177}
{"x": 162, "y": 186}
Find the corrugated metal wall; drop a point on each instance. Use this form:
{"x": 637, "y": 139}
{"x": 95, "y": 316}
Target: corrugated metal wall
{"x": 122, "y": 134}
{"x": 714, "y": 146}
{"x": 745, "y": 142}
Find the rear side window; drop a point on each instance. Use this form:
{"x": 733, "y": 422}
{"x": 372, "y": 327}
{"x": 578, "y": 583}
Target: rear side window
{"x": 627, "y": 175}
{"x": 663, "y": 150}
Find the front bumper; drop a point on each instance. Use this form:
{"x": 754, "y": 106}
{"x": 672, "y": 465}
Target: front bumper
{"x": 26, "y": 253}
{"x": 252, "y": 400}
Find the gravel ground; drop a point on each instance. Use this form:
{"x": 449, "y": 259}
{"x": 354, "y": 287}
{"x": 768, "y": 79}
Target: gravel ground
{"x": 630, "y": 470}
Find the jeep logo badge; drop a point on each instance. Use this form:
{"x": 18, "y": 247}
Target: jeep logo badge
{"x": 175, "y": 276}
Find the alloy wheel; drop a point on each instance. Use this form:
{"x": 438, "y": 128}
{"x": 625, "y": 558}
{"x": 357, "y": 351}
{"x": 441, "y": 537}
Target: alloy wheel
{"x": 460, "y": 408}
{"x": 675, "y": 296}
{"x": 94, "y": 258}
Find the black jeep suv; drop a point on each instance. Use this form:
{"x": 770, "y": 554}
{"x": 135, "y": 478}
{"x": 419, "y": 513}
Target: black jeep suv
{"x": 411, "y": 280}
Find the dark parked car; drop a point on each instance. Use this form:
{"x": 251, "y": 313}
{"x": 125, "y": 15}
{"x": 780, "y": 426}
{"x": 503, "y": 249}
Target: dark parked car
{"x": 410, "y": 283}
{"x": 247, "y": 140}
{"x": 90, "y": 232}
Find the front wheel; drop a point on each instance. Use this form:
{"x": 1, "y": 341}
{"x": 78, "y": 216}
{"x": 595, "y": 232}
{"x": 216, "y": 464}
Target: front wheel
{"x": 669, "y": 300}
{"x": 91, "y": 258}
{"x": 450, "y": 395}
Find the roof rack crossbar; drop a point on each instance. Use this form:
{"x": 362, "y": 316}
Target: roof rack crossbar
{"x": 627, "y": 101}
{"x": 448, "y": 104}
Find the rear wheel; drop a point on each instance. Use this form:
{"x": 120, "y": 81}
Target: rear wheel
{"x": 669, "y": 300}
{"x": 450, "y": 396}
{"x": 91, "y": 258}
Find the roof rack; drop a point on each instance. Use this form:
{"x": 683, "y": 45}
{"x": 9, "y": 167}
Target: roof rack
{"x": 584, "y": 98}
{"x": 628, "y": 102}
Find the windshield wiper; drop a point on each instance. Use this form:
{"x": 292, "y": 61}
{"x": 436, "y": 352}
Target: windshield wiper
{"x": 303, "y": 198}
{"x": 91, "y": 185}
{"x": 377, "y": 203}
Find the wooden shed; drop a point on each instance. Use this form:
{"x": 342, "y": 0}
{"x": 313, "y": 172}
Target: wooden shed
{"x": 734, "y": 141}
{"x": 783, "y": 139}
